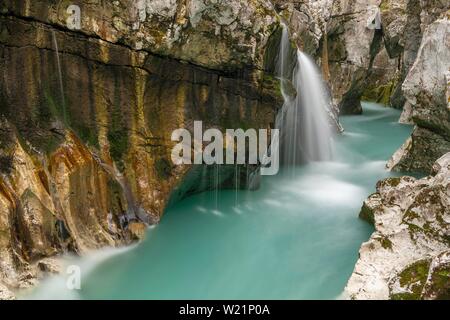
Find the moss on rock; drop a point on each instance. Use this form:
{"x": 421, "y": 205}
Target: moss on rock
{"x": 380, "y": 94}
{"x": 412, "y": 280}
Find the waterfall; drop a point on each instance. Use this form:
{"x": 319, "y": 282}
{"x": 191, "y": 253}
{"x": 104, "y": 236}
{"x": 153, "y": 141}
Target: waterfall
{"x": 314, "y": 102}
{"x": 303, "y": 121}
{"x": 60, "y": 79}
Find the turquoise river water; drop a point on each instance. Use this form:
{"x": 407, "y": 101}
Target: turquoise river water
{"x": 297, "y": 237}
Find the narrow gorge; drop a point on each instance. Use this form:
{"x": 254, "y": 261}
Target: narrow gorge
{"x": 91, "y": 93}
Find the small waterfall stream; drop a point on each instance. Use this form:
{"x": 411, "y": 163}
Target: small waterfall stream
{"x": 303, "y": 121}
{"x": 60, "y": 78}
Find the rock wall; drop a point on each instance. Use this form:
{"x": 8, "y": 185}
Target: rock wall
{"x": 366, "y": 48}
{"x": 402, "y": 62}
{"x": 217, "y": 34}
{"x": 352, "y": 47}
{"x": 306, "y": 21}
{"x": 408, "y": 256}
{"x": 363, "y": 60}
{"x": 87, "y": 115}
{"x": 350, "y": 50}
{"x": 427, "y": 106}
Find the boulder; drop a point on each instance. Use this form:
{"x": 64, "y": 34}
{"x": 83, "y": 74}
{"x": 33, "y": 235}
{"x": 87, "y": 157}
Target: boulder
{"x": 419, "y": 152}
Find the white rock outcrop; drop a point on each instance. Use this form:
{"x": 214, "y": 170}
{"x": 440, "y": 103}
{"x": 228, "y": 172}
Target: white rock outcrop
{"x": 426, "y": 90}
{"x": 411, "y": 241}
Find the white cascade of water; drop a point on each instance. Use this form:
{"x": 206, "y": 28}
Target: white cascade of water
{"x": 303, "y": 121}
{"x": 314, "y": 101}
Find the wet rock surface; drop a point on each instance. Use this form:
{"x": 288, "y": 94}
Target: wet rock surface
{"x": 86, "y": 115}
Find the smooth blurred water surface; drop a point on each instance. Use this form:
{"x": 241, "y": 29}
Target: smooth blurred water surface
{"x": 296, "y": 238}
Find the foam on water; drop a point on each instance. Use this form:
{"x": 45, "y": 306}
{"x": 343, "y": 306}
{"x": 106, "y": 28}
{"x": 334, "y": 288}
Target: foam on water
{"x": 55, "y": 287}
{"x": 326, "y": 189}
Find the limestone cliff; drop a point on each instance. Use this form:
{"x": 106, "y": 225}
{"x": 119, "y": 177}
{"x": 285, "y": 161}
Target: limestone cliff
{"x": 408, "y": 256}
{"x": 340, "y": 35}
{"x": 427, "y": 102}
{"x": 86, "y": 115}
{"x": 392, "y": 52}
{"x": 366, "y": 48}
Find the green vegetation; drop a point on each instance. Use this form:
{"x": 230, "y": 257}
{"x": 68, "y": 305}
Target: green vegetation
{"x": 118, "y": 140}
{"x": 86, "y": 134}
{"x": 118, "y": 131}
{"x": 51, "y": 109}
{"x": 393, "y": 182}
{"x": 384, "y": 6}
{"x": 386, "y": 243}
{"x": 413, "y": 279}
{"x": 440, "y": 280}
{"x": 381, "y": 94}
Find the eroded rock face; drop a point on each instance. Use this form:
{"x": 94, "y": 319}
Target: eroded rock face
{"x": 359, "y": 66}
{"x": 86, "y": 116}
{"x": 382, "y": 79}
{"x": 335, "y": 33}
{"x": 402, "y": 35}
{"x": 306, "y": 21}
{"x": 218, "y": 34}
{"x": 404, "y": 23}
{"x": 426, "y": 91}
{"x": 361, "y": 59}
{"x": 407, "y": 257}
{"x": 46, "y": 210}
{"x": 369, "y": 61}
